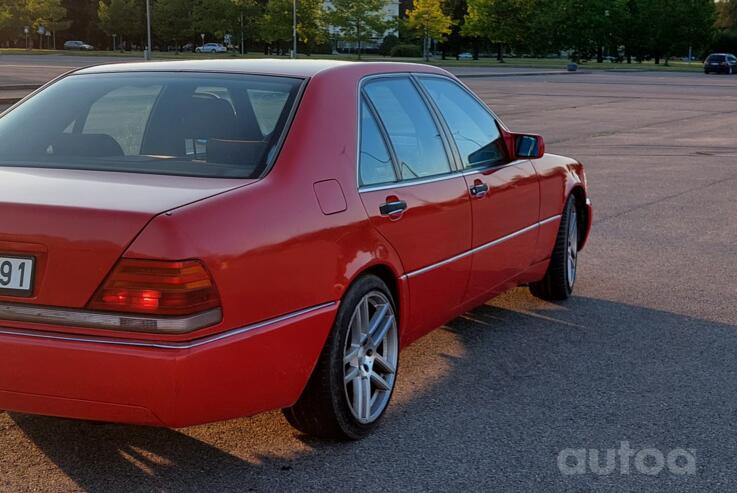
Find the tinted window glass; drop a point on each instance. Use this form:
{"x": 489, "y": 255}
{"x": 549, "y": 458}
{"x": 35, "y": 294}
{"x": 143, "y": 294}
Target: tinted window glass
{"x": 375, "y": 165}
{"x": 473, "y": 128}
{"x": 412, "y": 131}
{"x": 122, "y": 114}
{"x": 214, "y": 125}
{"x": 715, "y": 58}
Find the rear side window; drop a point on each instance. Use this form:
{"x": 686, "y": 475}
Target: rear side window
{"x": 211, "y": 125}
{"x": 474, "y": 129}
{"x": 412, "y": 131}
{"x": 375, "y": 163}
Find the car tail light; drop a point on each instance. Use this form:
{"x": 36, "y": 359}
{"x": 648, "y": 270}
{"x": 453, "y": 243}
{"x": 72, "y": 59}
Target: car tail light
{"x": 157, "y": 288}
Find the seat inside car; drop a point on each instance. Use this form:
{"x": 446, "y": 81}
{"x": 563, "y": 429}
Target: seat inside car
{"x": 85, "y": 145}
{"x": 205, "y": 126}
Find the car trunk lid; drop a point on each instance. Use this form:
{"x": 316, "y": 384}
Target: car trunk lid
{"x": 77, "y": 224}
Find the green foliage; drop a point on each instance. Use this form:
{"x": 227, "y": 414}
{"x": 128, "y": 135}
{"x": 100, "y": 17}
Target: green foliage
{"x": 726, "y": 11}
{"x": 637, "y": 29}
{"x": 311, "y": 23}
{"x": 428, "y": 20}
{"x": 389, "y": 42}
{"x": 48, "y": 13}
{"x": 121, "y": 17}
{"x": 359, "y": 20}
{"x": 276, "y": 23}
{"x": 506, "y": 22}
{"x": 173, "y": 20}
{"x": 406, "y": 51}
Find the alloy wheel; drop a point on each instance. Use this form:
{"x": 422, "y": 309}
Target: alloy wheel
{"x": 370, "y": 357}
{"x": 572, "y": 256}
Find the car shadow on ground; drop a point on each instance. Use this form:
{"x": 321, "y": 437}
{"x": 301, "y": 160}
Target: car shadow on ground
{"x": 488, "y": 401}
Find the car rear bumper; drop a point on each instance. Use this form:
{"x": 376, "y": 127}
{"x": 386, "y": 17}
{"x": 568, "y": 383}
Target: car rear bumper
{"x": 236, "y": 373}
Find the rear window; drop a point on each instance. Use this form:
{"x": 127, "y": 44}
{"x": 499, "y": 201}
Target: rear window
{"x": 716, "y": 58}
{"x": 211, "y": 125}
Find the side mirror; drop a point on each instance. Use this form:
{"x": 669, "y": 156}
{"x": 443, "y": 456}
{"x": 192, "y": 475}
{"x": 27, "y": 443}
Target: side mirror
{"x": 529, "y": 146}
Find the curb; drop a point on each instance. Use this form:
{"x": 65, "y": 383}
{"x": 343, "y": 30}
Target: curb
{"x": 20, "y": 87}
{"x": 519, "y": 74}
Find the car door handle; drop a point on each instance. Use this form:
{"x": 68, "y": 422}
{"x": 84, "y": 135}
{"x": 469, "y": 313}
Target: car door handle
{"x": 392, "y": 208}
{"x": 479, "y": 190}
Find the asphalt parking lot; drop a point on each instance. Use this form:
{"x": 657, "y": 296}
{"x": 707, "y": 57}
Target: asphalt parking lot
{"x": 644, "y": 353}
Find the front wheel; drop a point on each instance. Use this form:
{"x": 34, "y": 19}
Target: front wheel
{"x": 354, "y": 379}
{"x": 557, "y": 285}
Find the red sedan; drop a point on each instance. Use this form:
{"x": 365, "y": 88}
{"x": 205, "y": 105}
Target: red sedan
{"x": 188, "y": 242}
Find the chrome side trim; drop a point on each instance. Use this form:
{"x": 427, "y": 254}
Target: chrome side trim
{"x": 482, "y": 247}
{"x": 436, "y": 178}
{"x": 102, "y": 320}
{"x": 409, "y": 183}
{"x": 165, "y": 345}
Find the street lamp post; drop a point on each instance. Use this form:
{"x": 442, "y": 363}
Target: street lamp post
{"x": 294, "y": 29}
{"x": 147, "y": 53}
{"x": 114, "y": 36}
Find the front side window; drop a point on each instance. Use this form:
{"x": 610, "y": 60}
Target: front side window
{"x": 210, "y": 125}
{"x": 412, "y": 131}
{"x": 375, "y": 165}
{"x": 474, "y": 129}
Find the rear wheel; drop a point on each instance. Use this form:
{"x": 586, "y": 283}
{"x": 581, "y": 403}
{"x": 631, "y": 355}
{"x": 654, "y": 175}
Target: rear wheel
{"x": 354, "y": 379}
{"x": 561, "y": 275}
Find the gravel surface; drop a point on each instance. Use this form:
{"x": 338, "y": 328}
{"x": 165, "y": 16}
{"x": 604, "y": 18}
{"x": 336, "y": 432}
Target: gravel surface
{"x": 643, "y": 354}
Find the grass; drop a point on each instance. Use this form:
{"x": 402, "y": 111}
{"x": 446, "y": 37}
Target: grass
{"x": 532, "y": 63}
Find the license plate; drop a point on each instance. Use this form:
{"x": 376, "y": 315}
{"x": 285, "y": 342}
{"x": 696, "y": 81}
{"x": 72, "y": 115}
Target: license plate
{"x": 16, "y": 275}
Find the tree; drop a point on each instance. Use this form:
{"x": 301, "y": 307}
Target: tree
{"x": 6, "y": 17}
{"x": 276, "y": 23}
{"x": 428, "y": 19}
{"x": 121, "y": 17}
{"x": 456, "y": 9}
{"x": 249, "y": 12}
{"x": 726, "y": 14}
{"x": 588, "y": 26}
{"x": 173, "y": 20}
{"x": 359, "y": 20}
{"x": 311, "y": 29}
{"x": 49, "y": 14}
{"x": 671, "y": 26}
{"x": 216, "y": 17}
{"x": 504, "y": 22}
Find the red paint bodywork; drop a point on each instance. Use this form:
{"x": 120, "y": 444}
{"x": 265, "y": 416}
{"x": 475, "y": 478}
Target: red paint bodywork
{"x": 297, "y": 238}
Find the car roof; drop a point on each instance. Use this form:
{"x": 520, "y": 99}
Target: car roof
{"x": 294, "y": 68}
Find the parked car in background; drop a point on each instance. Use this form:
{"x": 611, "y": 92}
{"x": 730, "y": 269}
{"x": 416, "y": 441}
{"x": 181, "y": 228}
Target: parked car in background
{"x": 465, "y": 56}
{"x": 220, "y": 238}
{"x": 720, "y": 63}
{"x": 78, "y": 45}
{"x": 211, "y": 48}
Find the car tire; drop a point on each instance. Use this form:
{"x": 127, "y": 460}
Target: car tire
{"x": 560, "y": 278}
{"x": 353, "y": 382}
